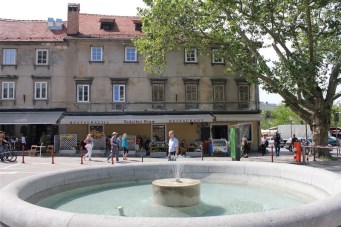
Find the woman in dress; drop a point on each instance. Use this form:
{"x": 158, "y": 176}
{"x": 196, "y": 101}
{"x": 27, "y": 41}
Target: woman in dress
{"x": 89, "y": 141}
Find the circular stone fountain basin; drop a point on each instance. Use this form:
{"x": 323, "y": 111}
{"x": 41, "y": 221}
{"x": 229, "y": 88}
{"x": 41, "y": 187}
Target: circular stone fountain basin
{"x": 179, "y": 192}
{"x": 17, "y": 208}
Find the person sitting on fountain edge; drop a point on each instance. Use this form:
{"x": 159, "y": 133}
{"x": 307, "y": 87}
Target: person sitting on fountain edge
{"x": 173, "y": 146}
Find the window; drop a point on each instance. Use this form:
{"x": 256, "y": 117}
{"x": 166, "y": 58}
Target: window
{"x": 41, "y": 57}
{"x": 40, "y": 90}
{"x": 130, "y": 54}
{"x": 96, "y": 53}
{"x": 216, "y": 58}
{"x": 83, "y": 92}
{"x": 107, "y": 23}
{"x": 8, "y": 89}
{"x": 119, "y": 93}
{"x": 218, "y": 92}
{"x": 159, "y": 133}
{"x": 158, "y": 91}
{"x": 191, "y": 56}
{"x": 191, "y": 93}
{"x": 9, "y": 56}
{"x": 244, "y": 96}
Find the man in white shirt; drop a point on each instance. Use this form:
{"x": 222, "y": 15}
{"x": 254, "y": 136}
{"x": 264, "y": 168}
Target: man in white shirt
{"x": 173, "y": 145}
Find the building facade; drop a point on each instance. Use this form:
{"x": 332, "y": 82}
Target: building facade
{"x": 85, "y": 75}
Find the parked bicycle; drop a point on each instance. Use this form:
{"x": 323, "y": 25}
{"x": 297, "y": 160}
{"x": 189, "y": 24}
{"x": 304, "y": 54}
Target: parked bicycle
{"x": 10, "y": 155}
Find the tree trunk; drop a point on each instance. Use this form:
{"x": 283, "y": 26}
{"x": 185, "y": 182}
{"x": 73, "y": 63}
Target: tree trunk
{"x": 320, "y": 128}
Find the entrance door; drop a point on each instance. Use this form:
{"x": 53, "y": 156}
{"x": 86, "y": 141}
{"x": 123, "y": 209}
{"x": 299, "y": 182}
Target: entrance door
{"x": 219, "y": 132}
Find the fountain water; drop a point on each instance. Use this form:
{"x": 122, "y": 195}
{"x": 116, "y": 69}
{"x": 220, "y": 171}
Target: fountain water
{"x": 19, "y": 197}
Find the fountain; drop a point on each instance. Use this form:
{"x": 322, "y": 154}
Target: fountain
{"x": 179, "y": 192}
{"x": 17, "y": 201}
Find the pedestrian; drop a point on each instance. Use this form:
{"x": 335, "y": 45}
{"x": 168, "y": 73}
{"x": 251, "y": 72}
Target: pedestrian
{"x": 277, "y": 143}
{"x": 2, "y": 143}
{"x": 114, "y": 142}
{"x": 245, "y": 147}
{"x": 89, "y": 141}
{"x": 293, "y": 140}
{"x": 125, "y": 146}
{"x": 264, "y": 145}
{"x": 173, "y": 146}
{"x": 23, "y": 141}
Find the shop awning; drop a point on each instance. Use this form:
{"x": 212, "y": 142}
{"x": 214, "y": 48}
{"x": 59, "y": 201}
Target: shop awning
{"x": 238, "y": 117}
{"x": 137, "y": 119}
{"x": 23, "y": 118}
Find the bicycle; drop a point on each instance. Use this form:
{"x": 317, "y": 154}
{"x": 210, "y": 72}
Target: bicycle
{"x": 9, "y": 153}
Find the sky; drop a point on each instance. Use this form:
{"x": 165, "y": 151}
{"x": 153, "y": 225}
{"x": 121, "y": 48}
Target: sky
{"x": 43, "y": 9}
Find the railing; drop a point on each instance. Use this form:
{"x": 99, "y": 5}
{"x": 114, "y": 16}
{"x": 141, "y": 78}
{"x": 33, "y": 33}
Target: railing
{"x": 165, "y": 106}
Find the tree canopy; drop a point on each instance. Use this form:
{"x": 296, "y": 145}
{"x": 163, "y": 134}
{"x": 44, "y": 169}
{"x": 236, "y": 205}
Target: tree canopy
{"x": 302, "y": 39}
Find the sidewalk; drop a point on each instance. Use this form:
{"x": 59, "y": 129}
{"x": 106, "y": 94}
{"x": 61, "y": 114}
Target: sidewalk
{"x": 10, "y": 172}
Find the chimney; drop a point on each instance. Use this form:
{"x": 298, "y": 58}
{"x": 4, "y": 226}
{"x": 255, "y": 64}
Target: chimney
{"x": 73, "y": 18}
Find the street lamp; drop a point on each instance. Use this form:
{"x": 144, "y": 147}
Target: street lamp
{"x": 290, "y": 119}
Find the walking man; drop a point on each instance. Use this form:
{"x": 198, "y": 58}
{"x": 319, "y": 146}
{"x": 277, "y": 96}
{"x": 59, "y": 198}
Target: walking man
{"x": 173, "y": 145}
{"x": 277, "y": 143}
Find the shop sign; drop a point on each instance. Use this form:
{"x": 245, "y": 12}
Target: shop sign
{"x": 89, "y": 122}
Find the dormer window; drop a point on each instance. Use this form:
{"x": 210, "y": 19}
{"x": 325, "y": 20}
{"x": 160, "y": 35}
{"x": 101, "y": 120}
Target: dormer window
{"x": 107, "y": 24}
{"x": 138, "y": 25}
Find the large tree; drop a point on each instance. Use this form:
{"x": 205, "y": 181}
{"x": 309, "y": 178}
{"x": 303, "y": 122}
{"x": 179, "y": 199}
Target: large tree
{"x": 303, "y": 35}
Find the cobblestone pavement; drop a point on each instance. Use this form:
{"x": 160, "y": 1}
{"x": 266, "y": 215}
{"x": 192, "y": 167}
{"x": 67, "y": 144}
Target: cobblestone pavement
{"x": 10, "y": 172}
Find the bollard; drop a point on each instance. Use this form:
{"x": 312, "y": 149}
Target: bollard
{"x": 81, "y": 154}
{"x": 272, "y": 153}
{"x": 52, "y": 155}
{"x": 23, "y": 153}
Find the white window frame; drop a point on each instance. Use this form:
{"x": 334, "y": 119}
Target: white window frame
{"x": 121, "y": 96}
{"x": 40, "y": 58}
{"x": 8, "y": 90}
{"x": 9, "y": 56}
{"x": 97, "y": 53}
{"x": 215, "y": 59}
{"x": 191, "y": 55}
{"x": 130, "y": 54}
{"x": 40, "y": 90}
{"x": 83, "y": 88}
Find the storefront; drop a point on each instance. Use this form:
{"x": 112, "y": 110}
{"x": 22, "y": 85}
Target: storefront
{"x": 193, "y": 128}
{"x": 34, "y": 125}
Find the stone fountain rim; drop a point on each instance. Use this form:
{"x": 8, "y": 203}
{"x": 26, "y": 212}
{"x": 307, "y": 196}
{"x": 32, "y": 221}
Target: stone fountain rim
{"x": 323, "y": 212}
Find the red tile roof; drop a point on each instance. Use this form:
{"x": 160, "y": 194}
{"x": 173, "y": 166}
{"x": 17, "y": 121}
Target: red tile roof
{"x": 28, "y": 30}
{"x": 124, "y": 28}
{"x": 89, "y": 27}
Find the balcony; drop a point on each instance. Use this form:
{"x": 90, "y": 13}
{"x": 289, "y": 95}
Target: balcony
{"x": 164, "y": 106}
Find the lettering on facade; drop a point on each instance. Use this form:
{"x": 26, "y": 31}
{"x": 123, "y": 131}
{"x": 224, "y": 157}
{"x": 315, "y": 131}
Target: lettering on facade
{"x": 186, "y": 121}
{"x": 89, "y": 122}
{"x": 138, "y": 121}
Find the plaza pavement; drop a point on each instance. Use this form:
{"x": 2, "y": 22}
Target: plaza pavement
{"x": 10, "y": 172}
